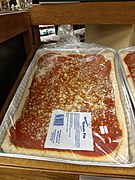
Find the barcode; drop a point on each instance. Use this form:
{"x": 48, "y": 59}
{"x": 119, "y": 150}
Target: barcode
{"x": 59, "y": 120}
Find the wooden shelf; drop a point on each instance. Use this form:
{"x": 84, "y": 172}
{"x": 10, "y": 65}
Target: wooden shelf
{"x": 84, "y": 13}
{"x": 52, "y": 170}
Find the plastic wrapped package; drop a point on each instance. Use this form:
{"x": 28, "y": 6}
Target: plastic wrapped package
{"x": 127, "y": 63}
{"x": 68, "y": 108}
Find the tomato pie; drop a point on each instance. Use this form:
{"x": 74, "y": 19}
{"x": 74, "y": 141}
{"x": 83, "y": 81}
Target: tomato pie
{"x": 128, "y": 62}
{"x": 72, "y": 83}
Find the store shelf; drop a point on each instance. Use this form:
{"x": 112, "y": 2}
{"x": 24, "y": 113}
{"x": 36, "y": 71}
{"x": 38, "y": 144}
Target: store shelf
{"x": 84, "y": 13}
{"x": 77, "y": 13}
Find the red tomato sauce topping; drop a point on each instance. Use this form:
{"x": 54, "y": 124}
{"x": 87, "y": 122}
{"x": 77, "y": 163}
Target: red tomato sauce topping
{"x": 72, "y": 83}
{"x": 130, "y": 62}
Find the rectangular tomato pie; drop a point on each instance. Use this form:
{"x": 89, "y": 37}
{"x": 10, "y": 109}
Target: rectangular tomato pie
{"x": 128, "y": 62}
{"x": 71, "y": 82}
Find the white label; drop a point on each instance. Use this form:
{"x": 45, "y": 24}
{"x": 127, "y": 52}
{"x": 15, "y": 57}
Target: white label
{"x": 103, "y": 129}
{"x": 70, "y": 130}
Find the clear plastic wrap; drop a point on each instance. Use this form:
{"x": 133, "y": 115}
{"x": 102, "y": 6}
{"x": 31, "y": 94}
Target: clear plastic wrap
{"x": 127, "y": 64}
{"x": 70, "y": 108}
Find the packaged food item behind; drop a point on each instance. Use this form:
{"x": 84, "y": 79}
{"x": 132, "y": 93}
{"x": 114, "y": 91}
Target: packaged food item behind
{"x": 127, "y": 64}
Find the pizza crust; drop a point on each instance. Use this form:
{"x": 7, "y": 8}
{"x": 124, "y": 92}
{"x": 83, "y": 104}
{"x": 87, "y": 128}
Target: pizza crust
{"x": 120, "y": 155}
